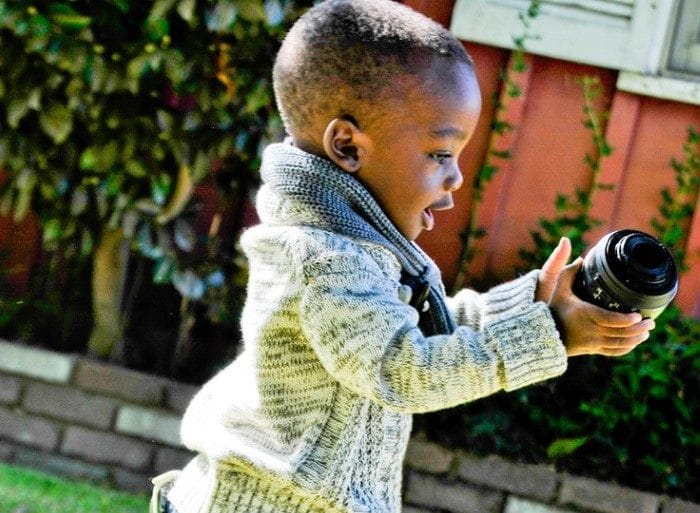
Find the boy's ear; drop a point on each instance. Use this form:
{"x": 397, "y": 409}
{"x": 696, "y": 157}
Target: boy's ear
{"x": 343, "y": 144}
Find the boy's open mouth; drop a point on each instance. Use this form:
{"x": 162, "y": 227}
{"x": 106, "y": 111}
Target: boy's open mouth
{"x": 428, "y": 219}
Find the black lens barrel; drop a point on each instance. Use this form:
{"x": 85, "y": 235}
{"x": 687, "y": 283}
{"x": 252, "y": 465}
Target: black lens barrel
{"x": 628, "y": 271}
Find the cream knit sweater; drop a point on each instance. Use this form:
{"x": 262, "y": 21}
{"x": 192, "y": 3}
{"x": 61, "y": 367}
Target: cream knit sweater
{"x": 315, "y": 414}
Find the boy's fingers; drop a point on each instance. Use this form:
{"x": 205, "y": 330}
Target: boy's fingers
{"x": 633, "y": 330}
{"x": 620, "y": 351}
{"x": 611, "y": 319}
{"x": 569, "y": 272}
{"x": 549, "y": 274}
{"x": 624, "y": 342}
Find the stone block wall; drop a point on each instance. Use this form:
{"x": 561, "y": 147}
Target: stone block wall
{"x": 75, "y": 417}
{"x": 439, "y": 480}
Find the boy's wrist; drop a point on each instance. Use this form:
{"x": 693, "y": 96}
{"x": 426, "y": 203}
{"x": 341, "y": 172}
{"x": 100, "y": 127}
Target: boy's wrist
{"x": 558, "y": 324}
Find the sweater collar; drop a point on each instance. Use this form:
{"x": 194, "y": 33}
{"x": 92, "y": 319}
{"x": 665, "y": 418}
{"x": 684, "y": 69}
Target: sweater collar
{"x": 301, "y": 188}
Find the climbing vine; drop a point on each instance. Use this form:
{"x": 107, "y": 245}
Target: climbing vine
{"x": 500, "y": 126}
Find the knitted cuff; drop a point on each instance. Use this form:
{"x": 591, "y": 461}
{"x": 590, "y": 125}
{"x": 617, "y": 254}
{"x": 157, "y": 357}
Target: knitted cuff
{"x": 508, "y": 299}
{"x": 529, "y": 346}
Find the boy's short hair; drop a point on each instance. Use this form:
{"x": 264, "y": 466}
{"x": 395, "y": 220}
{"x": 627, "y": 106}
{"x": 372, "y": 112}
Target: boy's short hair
{"x": 342, "y": 53}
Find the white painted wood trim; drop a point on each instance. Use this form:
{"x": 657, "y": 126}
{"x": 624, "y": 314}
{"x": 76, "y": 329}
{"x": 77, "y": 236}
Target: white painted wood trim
{"x": 667, "y": 88}
{"x": 609, "y": 42}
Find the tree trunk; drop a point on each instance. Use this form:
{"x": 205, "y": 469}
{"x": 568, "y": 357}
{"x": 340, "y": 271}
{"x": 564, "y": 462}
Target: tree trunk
{"x": 108, "y": 275}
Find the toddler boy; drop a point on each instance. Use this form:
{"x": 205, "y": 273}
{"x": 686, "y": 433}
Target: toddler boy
{"x": 346, "y": 328}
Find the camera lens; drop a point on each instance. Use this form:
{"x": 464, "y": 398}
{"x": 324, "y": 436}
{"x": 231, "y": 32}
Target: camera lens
{"x": 628, "y": 271}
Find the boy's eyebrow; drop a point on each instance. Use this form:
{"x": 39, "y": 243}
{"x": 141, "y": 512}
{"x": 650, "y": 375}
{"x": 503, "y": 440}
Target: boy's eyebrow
{"x": 448, "y": 132}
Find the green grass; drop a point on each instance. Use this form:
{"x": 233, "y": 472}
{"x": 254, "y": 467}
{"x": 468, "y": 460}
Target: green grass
{"x": 29, "y": 491}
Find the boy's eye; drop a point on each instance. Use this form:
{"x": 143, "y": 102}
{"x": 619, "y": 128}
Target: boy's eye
{"x": 440, "y": 158}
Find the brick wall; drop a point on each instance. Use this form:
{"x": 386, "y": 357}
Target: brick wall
{"x": 75, "y": 417}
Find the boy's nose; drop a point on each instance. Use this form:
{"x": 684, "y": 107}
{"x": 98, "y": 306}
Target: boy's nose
{"x": 454, "y": 180}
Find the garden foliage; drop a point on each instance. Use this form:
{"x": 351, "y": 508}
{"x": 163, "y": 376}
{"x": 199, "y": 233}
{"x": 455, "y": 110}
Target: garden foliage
{"x": 111, "y": 112}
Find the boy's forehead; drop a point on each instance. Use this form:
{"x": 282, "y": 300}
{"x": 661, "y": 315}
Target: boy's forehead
{"x": 436, "y": 97}
{"x": 439, "y": 79}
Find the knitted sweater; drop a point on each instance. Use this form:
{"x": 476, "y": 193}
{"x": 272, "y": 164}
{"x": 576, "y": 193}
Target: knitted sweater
{"x": 315, "y": 414}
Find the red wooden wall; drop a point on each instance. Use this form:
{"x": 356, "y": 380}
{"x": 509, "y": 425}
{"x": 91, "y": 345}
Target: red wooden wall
{"x": 548, "y": 147}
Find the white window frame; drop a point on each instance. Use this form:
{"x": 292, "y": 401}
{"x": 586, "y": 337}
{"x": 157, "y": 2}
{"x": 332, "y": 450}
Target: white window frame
{"x": 636, "y": 46}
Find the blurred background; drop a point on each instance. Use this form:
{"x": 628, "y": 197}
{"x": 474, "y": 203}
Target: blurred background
{"x": 130, "y": 138}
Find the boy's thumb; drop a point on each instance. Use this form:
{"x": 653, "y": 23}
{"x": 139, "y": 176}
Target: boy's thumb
{"x": 558, "y": 258}
{"x": 569, "y": 272}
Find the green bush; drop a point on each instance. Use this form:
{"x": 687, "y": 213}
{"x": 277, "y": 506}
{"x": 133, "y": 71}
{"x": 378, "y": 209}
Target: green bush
{"x": 632, "y": 419}
{"x": 112, "y": 111}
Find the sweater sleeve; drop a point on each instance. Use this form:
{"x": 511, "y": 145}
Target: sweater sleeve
{"x": 473, "y": 309}
{"x": 368, "y": 340}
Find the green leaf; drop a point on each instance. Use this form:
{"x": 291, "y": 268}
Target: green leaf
{"x": 503, "y": 154}
{"x": 258, "y": 98}
{"x": 160, "y": 188}
{"x": 189, "y": 284}
{"x": 4, "y": 150}
{"x": 18, "y": 107}
{"x": 95, "y": 73}
{"x": 165, "y": 120}
{"x": 56, "y": 121}
{"x": 565, "y": 446}
{"x": 79, "y": 201}
{"x": 274, "y": 13}
{"x": 88, "y": 159}
{"x": 252, "y": 10}
{"x": 201, "y": 166}
{"x": 156, "y": 28}
{"x": 72, "y": 21}
{"x": 221, "y": 17}
{"x": 136, "y": 168}
{"x": 87, "y": 243}
{"x": 176, "y": 67}
{"x": 163, "y": 270}
{"x": 6, "y": 202}
{"x": 160, "y": 9}
{"x": 122, "y": 5}
{"x": 130, "y": 220}
{"x": 99, "y": 158}
{"x": 185, "y": 8}
{"x": 148, "y": 206}
{"x": 184, "y": 235}
{"x": 146, "y": 245}
{"x": 53, "y": 230}
{"x": 107, "y": 156}
{"x": 137, "y": 66}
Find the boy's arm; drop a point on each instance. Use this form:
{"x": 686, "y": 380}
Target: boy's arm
{"x": 585, "y": 328}
{"x": 369, "y": 341}
{"x": 473, "y": 309}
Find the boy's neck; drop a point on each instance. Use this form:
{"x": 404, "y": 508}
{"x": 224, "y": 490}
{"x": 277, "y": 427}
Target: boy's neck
{"x": 308, "y": 146}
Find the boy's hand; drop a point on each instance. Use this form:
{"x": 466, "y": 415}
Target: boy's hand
{"x": 588, "y": 329}
{"x": 549, "y": 274}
